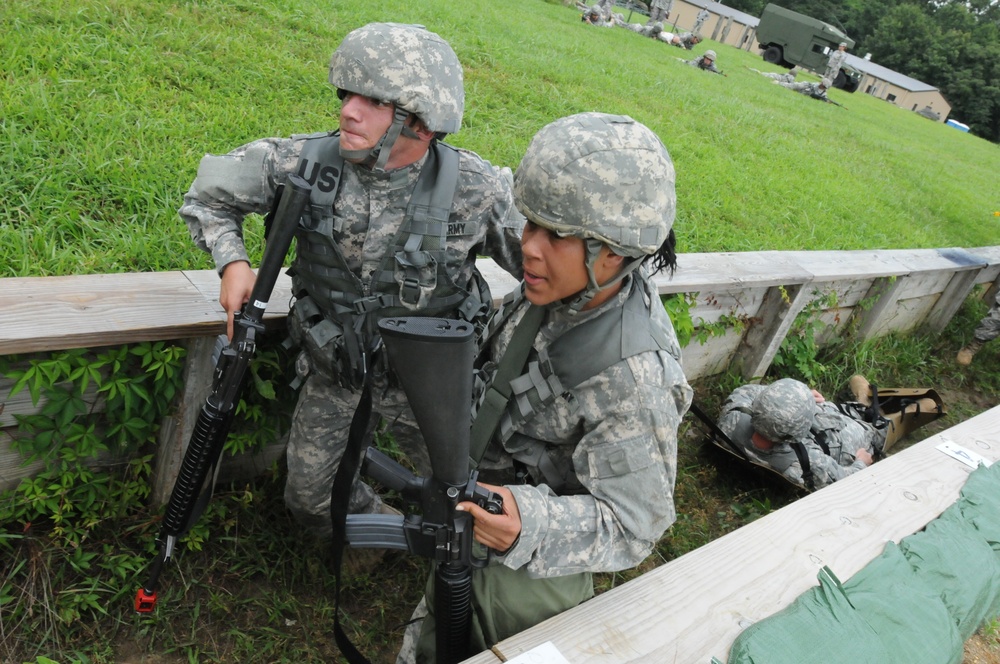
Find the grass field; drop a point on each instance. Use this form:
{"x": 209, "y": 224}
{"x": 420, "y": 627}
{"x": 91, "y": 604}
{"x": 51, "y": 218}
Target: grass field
{"x": 106, "y": 106}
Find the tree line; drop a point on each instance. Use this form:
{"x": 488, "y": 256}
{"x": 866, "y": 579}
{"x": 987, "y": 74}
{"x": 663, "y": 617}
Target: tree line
{"x": 950, "y": 44}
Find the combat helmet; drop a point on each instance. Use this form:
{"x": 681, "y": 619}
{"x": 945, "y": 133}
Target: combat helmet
{"x": 407, "y": 65}
{"x": 606, "y": 179}
{"x": 710, "y": 54}
{"x": 783, "y": 411}
{"x": 826, "y": 83}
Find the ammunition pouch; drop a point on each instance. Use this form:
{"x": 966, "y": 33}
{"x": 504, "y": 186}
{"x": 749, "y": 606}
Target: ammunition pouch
{"x": 334, "y": 350}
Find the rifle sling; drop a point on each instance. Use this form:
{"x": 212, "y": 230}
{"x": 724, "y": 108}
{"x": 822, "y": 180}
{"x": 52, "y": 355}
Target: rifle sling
{"x": 511, "y": 365}
{"x": 359, "y": 434}
{"x": 717, "y": 432}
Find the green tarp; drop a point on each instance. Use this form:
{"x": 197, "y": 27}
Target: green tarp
{"x": 917, "y": 602}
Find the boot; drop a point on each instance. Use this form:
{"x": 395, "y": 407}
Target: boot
{"x": 860, "y": 389}
{"x": 966, "y": 354}
{"x": 909, "y": 419}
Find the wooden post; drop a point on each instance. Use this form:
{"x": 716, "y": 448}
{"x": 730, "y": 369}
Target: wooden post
{"x": 175, "y": 431}
{"x": 763, "y": 337}
{"x": 868, "y": 321}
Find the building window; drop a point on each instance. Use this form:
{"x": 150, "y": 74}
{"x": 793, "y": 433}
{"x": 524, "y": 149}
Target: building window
{"x": 890, "y": 97}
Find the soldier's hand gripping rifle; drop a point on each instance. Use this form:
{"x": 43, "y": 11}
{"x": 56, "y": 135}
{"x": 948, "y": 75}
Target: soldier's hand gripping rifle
{"x": 190, "y": 493}
{"x": 433, "y": 360}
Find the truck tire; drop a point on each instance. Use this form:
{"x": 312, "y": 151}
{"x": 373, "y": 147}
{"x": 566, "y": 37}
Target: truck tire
{"x": 773, "y": 55}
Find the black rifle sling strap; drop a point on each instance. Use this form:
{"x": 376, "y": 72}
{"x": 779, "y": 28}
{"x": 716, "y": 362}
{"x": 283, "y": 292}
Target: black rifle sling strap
{"x": 803, "y": 455}
{"x": 359, "y": 434}
{"x": 511, "y": 365}
{"x": 717, "y": 432}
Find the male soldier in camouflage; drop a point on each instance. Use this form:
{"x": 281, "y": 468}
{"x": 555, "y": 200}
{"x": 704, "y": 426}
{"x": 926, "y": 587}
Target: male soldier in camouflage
{"x": 584, "y": 454}
{"x": 659, "y": 11}
{"x": 699, "y": 21}
{"x": 685, "y": 40}
{"x": 396, "y": 221}
{"x": 787, "y": 77}
{"x": 814, "y": 90}
{"x": 596, "y": 16}
{"x": 835, "y": 62}
{"x": 989, "y": 329}
{"x": 651, "y": 30}
{"x": 768, "y": 421}
{"x": 706, "y": 62}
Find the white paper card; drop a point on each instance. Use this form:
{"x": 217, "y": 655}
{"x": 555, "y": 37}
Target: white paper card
{"x": 966, "y": 456}
{"x": 546, "y": 653}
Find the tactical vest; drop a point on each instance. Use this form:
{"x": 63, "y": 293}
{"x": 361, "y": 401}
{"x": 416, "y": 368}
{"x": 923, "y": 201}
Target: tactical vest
{"x": 334, "y": 316}
{"x": 582, "y": 352}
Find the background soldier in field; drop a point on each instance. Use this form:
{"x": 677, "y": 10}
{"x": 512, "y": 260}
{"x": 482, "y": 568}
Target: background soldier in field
{"x": 835, "y": 62}
{"x": 989, "y": 329}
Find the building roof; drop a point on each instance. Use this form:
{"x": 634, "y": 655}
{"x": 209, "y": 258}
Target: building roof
{"x": 723, "y": 10}
{"x": 888, "y": 75}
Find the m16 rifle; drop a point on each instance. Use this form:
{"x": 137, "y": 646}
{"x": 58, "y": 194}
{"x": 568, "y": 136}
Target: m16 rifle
{"x": 433, "y": 361}
{"x": 192, "y": 488}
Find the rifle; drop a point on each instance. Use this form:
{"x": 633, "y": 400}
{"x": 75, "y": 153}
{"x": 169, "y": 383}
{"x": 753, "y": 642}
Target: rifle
{"x": 830, "y": 101}
{"x": 433, "y": 361}
{"x": 190, "y": 493}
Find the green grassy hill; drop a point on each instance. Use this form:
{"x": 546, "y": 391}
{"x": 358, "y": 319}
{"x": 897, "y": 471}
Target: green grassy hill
{"x": 108, "y": 106}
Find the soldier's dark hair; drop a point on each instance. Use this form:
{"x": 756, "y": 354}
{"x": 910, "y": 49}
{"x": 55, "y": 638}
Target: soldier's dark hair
{"x": 665, "y": 256}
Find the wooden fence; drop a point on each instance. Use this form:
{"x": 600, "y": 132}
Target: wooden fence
{"x": 867, "y": 293}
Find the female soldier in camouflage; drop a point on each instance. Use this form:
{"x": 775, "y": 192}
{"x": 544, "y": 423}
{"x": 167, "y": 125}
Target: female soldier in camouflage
{"x": 584, "y": 454}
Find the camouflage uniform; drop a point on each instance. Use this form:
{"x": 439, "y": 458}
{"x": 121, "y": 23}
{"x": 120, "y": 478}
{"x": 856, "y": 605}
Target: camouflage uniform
{"x": 659, "y": 10}
{"x": 701, "y": 63}
{"x": 597, "y": 461}
{"x": 805, "y": 87}
{"x": 989, "y": 327}
{"x": 651, "y": 30}
{"x": 699, "y": 21}
{"x": 364, "y": 220}
{"x": 843, "y": 435}
{"x": 787, "y": 77}
{"x": 834, "y": 64}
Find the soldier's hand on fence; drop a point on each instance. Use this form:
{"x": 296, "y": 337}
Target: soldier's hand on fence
{"x": 497, "y": 531}
{"x": 237, "y": 284}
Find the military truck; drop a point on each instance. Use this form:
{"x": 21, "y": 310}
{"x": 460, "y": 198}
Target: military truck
{"x": 789, "y": 38}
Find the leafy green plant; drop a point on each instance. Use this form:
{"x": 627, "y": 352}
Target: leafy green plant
{"x": 798, "y": 356}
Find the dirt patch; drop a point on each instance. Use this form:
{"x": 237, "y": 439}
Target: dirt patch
{"x": 981, "y": 650}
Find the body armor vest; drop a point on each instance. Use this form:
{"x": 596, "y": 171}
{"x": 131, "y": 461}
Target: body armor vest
{"x": 334, "y": 315}
{"x": 582, "y": 352}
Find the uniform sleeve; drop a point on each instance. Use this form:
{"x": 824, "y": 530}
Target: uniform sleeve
{"x": 505, "y": 224}
{"x": 626, "y": 461}
{"x": 229, "y": 187}
{"x": 826, "y": 470}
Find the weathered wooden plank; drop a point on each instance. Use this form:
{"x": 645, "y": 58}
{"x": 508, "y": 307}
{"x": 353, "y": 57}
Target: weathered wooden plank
{"x": 692, "y": 608}
{"x": 84, "y": 311}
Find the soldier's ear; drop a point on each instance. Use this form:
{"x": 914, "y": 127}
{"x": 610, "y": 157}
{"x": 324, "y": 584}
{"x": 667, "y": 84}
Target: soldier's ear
{"x": 420, "y": 129}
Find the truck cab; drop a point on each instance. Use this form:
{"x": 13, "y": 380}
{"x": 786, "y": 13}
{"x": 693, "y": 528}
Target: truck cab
{"x": 789, "y": 38}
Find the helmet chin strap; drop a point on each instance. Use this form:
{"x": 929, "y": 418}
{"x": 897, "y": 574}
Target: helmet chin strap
{"x": 377, "y": 156}
{"x": 592, "y": 249}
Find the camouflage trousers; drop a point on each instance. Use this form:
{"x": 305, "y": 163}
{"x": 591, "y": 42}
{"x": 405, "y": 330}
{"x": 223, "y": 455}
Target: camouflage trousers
{"x": 989, "y": 327}
{"x": 657, "y": 14}
{"x": 505, "y": 602}
{"x": 318, "y": 439}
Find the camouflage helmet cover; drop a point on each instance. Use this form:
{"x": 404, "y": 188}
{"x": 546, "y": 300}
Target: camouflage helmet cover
{"x": 405, "y": 64}
{"x": 710, "y": 54}
{"x": 826, "y": 83}
{"x": 600, "y": 176}
{"x": 783, "y": 411}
